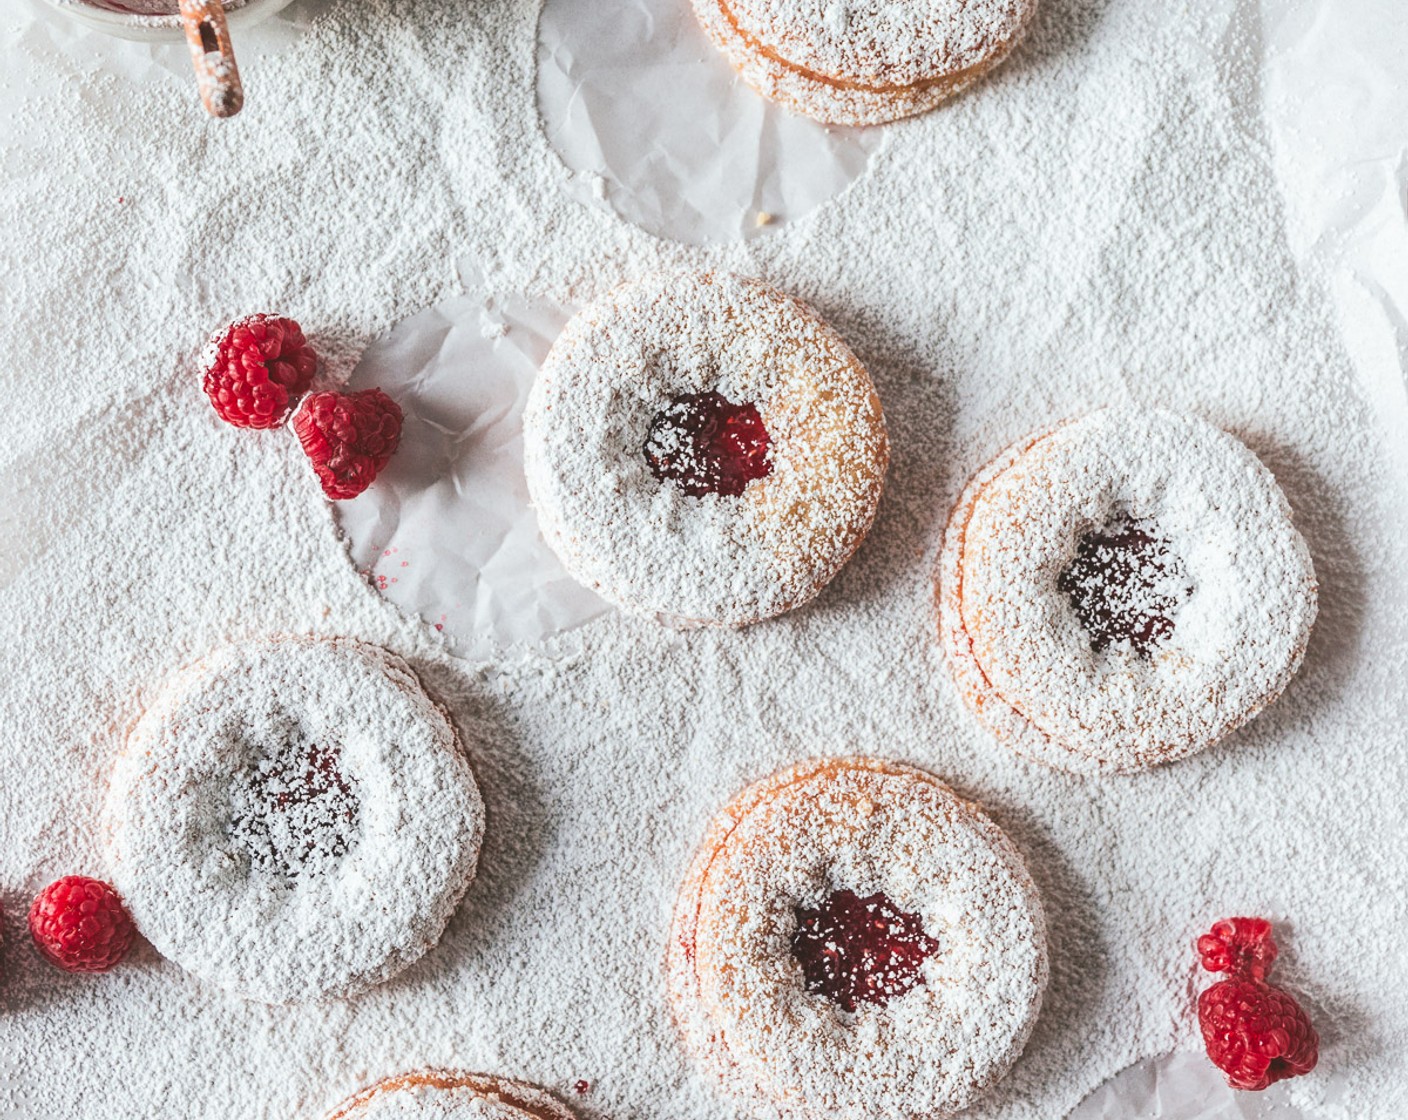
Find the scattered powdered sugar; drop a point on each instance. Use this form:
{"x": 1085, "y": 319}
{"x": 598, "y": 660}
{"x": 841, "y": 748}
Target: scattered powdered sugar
{"x": 293, "y": 811}
{"x": 1095, "y": 223}
{"x": 425, "y": 1107}
{"x": 432, "y": 1106}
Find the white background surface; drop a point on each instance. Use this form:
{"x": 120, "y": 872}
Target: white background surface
{"x": 137, "y": 533}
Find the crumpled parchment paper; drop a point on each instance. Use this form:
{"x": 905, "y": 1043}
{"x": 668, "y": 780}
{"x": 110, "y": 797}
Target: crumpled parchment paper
{"x": 638, "y": 102}
{"x": 446, "y": 532}
{"x": 1182, "y": 1086}
{"x": 1338, "y": 122}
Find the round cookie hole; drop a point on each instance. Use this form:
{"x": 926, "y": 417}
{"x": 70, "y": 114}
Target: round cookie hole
{"x": 705, "y": 444}
{"x": 293, "y": 810}
{"x": 855, "y": 950}
{"x": 1125, "y": 585}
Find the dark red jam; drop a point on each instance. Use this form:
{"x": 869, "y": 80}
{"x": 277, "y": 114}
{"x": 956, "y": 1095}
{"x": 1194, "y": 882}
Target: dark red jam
{"x": 295, "y": 811}
{"x": 860, "y": 950}
{"x": 706, "y": 445}
{"x": 1125, "y": 586}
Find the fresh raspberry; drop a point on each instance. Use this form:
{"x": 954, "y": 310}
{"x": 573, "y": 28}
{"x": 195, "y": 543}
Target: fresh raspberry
{"x": 1239, "y": 947}
{"x": 81, "y": 925}
{"x": 1254, "y": 1033}
{"x": 348, "y": 437}
{"x": 261, "y": 365}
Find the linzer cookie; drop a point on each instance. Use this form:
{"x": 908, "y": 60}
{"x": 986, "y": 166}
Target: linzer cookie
{"x": 860, "y": 62}
{"x": 704, "y": 449}
{"x": 852, "y": 940}
{"x": 1123, "y": 590}
{"x": 294, "y": 819}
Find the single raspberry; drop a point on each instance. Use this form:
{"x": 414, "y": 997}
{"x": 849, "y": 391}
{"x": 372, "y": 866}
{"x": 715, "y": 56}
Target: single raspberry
{"x": 81, "y": 925}
{"x": 260, "y": 366}
{"x": 1240, "y": 947}
{"x": 348, "y": 437}
{"x": 1255, "y": 1033}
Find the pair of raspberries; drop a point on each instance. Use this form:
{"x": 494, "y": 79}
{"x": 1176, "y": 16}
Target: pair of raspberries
{"x": 259, "y": 367}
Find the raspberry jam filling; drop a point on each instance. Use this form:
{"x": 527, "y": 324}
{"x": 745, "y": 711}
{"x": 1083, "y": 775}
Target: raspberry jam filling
{"x": 707, "y": 445}
{"x": 296, "y": 812}
{"x": 860, "y": 950}
{"x": 1125, "y": 586}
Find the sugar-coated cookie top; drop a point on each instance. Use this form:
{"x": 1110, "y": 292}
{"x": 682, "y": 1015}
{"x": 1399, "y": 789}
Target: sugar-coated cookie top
{"x": 294, "y": 819}
{"x": 645, "y": 543}
{"x": 881, "y": 43}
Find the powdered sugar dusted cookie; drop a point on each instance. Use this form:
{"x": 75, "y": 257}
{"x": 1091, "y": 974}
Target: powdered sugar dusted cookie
{"x": 294, "y": 819}
{"x": 854, "y": 941}
{"x": 704, "y": 448}
{"x": 863, "y": 61}
{"x": 446, "y": 1095}
{"x": 1123, "y": 591}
